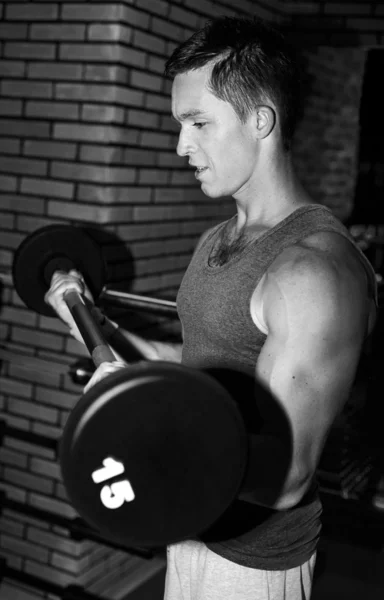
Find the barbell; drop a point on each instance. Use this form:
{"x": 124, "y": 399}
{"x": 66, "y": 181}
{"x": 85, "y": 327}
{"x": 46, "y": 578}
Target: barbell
{"x": 151, "y": 454}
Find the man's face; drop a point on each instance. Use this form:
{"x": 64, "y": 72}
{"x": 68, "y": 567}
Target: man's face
{"x": 222, "y": 149}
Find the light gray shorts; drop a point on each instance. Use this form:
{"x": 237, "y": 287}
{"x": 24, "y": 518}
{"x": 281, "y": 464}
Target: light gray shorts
{"x": 196, "y": 573}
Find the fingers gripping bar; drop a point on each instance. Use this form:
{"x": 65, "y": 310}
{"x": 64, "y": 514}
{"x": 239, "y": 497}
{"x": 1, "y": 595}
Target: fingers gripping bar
{"x": 91, "y": 333}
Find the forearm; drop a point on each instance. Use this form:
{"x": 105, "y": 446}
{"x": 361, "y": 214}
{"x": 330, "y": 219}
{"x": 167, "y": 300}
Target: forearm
{"x": 147, "y": 349}
{"x": 128, "y": 346}
{"x": 271, "y": 478}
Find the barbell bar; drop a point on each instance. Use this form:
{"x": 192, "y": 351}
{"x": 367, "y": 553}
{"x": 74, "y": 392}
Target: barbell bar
{"x": 151, "y": 454}
{"x": 121, "y": 298}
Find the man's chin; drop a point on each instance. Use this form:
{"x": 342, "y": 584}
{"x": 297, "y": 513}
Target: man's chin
{"x": 210, "y": 191}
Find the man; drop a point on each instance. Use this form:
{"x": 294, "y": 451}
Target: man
{"x": 278, "y": 293}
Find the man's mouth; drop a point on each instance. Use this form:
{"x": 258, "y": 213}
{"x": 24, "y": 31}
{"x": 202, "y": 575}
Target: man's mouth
{"x": 200, "y": 170}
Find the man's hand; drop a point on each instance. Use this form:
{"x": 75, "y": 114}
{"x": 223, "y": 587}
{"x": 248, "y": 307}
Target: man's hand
{"x": 61, "y": 283}
{"x": 103, "y": 371}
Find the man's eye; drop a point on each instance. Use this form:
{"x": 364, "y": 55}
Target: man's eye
{"x": 199, "y": 125}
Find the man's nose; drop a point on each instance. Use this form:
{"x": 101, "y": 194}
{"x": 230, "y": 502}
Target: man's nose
{"x": 185, "y": 144}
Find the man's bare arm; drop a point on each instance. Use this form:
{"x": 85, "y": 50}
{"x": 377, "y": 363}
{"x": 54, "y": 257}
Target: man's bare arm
{"x": 316, "y": 313}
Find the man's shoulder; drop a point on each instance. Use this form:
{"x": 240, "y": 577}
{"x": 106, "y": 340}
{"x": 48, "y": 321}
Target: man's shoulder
{"x": 320, "y": 255}
{"x": 314, "y": 274}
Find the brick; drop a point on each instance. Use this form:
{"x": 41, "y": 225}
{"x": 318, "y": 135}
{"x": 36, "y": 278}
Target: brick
{"x": 131, "y": 57}
{"x": 15, "y": 388}
{"x": 89, "y": 13}
{"x": 135, "y": 17}
{"x": 156, "y": 64}
{"x": 8, "y": 184}
{"x": 34, "y": 411}
{"x": 24, "y": 204}
{"x": 139, "y": 157}
{"x": 46, "y": 468}
{"x": 84, "y": 92}
{"x": 106, "y": 32}
{"x": 57, "y": 398}
{"x": 102, "y": 113}
{"x": 27, "y": 89}
{"x": 184, "y": 17}
{"x": 49, "y": 431}
{"x": 142, "y": 118}
{"x": 14, "y": 31}
{"x": 67, "y": 111}
{"x": 169, "y": 124}
{"x": 49, "y": 149}
{"x": 29, "y": 224}
{"x": 153, "y": 177}
{"x": 167, "y": 29}
{"x": 52, "y": 379}
{"x": 53, "y": 324}
{"x": 170, "y": 159}
{"x": 91, "y": 133}
{"x": 33, "y": 449}
{"x": 11, "y": 239}
{"x": 148, "y": 82}
{"x": 106, "y": 73}
{"x": 125, "y": 34}
{"x": 19, "y": 316}
{"x": 29, "y": 50}
{"x": 84, "y": 212}
{"x": 128, "y": 97}
{"x": 183, "y": 178}
{"x": 10, "y": 107}
{"x": 154, "y": 6}
{"x": 155, "y": 140}
{"x": 22, "y": 128}
{"x": 57, "y": 32}
{"x": 49, "y": 573}
{"x": 5, "y": 258}
{"x": 14, "y": 528}
{"x": 15, "y": 493}
{"x": 62, "y": 71}
{"x": 45, "y": 187}
{"x": 148, "y": 42}
{"x": 156, "y": 248}
{"x": 52, "y": 540}
{"x": 114, "y": 195}
{"x": 7, "y": 222}
{"x": 90, "y": 52}
{"x": 23, "y": 165}
{"x": 12, "y": 459}
{"x": 65, "y": 563}
{"x": 34, "y": 521}
{"x": 160, "y": 213}
{"x": 12, "y": 68}
{"x": 102, "y": 154}
{"x": 81, "y": 172}
{"x": 37, "y": 338}
{"x": 30, "y": 12}
{"x": 158, "y": 103}
{"x": 24, "y": 548}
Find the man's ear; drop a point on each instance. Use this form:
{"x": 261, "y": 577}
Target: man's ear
{"x": 264, "y": 121}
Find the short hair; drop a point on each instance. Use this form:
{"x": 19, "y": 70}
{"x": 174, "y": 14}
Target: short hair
{"x": 252, "y": 63}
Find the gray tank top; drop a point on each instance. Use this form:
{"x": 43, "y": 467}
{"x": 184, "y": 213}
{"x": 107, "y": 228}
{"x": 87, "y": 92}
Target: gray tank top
{"x": 220, "y": 336}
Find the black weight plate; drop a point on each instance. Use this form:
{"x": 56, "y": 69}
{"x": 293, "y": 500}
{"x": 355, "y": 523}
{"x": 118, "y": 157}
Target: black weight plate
{"x": 63, "y": 245}
{"x": 181, "y": 445}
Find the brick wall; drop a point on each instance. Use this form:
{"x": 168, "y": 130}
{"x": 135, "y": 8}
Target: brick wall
{"x": 86, "y": 139}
